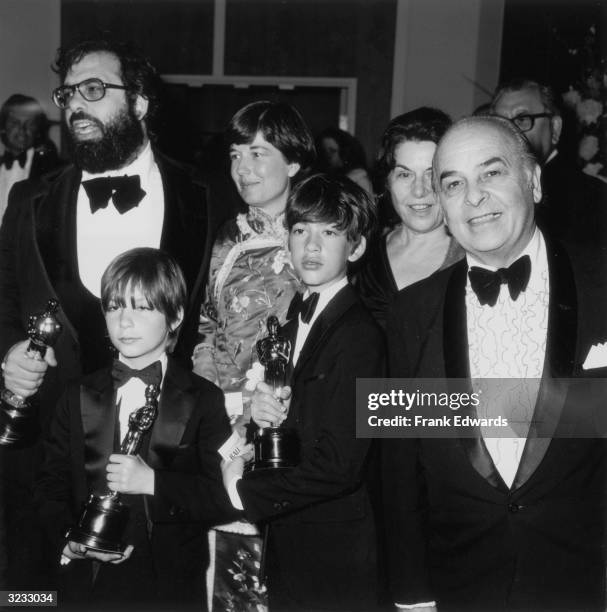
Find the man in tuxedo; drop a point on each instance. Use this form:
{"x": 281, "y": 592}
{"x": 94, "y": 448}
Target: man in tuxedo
{"x": 60, "y": 232}
{"x": 476, "y": 522}
{"x": 574, "y": 205}
{"x": 27, "y": 150}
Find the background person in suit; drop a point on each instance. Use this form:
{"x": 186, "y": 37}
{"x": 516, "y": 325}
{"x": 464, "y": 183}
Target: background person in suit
{"x": 321, "y": 550}
{"x": 61, "y": 231}
{"x": 28, "y": 151}
{"x": 172, "y": 485}
{"x": 573, "y": 207}
{"x": 479, "y": 522}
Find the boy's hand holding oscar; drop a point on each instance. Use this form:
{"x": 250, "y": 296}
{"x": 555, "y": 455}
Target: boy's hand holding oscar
{"x": 276, "y": 446}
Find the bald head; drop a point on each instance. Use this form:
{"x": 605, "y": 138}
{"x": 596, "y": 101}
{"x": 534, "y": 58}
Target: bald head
{"x": 487, "y": 180}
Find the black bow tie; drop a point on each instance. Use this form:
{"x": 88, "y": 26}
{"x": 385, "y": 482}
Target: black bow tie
{"x": 150, "y": 375}
{"x": 305, "y": 308}
{"x": 486, "y": 284}
{"x": 9, "y": 159}
{"x": 125, "y": 192}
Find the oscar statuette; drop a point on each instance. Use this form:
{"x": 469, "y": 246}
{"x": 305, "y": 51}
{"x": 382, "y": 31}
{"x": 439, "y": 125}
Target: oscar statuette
{"x": 275, "y": 447}
{"x": 18, "y": 417}
{"x": 103, "y": 522}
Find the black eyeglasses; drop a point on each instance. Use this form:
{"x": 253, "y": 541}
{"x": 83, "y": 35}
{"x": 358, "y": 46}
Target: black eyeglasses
{"x": 90, "y": 89}
{"x": 526, "y": 122}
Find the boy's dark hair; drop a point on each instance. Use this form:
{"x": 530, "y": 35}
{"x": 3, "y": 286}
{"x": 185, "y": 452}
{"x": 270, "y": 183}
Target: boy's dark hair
{"x": 137, "y": 72}
{"x": 328, "y": 198}
{"x": 280, "y": 124}
{"x": 155, "y": 273}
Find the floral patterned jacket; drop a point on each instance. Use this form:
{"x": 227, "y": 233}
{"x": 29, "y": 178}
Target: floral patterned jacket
{"x": 251, "y": 277}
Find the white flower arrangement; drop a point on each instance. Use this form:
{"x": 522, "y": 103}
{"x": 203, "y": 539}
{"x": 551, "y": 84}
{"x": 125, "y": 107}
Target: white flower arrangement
{"x": 588, "y": 98}
{"x": 254, "y": 375}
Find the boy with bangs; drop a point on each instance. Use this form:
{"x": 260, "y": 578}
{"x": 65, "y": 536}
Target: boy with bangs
{"x": 321, "y": 551}
{"x": 173, "y": 487}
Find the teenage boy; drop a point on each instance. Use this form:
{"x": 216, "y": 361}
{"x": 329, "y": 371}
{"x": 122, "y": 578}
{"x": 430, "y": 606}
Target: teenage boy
{"x": 321, "y": 551}
{"x": 173, "y": 486}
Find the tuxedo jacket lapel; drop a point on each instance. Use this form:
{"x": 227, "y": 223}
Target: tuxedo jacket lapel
{"x": 457, "y": 365}
{"x": 174, "y": 411}
{"x": 455, "y": 330}
{"x": 54, "y": 219}
{"x": 289, "y": 331}
{"x": 558, "y": 363}
{"x": 186, "y": 233}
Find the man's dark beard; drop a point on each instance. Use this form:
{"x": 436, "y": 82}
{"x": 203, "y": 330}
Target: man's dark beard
{"x": 121, "y": 138}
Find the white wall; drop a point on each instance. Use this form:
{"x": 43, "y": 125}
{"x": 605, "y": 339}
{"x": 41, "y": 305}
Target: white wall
{"x": 443, "y": 48}
{"x": 29, "y": 38}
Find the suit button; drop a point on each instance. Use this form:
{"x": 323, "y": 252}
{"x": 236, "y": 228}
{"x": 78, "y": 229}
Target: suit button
{"x": 286, "y": 504}
{"x": 514, "y": 508}
{"x": 172, "y": 511}
{"x": 277, "y": 506}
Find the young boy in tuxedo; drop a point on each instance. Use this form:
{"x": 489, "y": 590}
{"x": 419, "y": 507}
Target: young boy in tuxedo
{"x": 173, "y": 485}
{"x": 321, "y": 551}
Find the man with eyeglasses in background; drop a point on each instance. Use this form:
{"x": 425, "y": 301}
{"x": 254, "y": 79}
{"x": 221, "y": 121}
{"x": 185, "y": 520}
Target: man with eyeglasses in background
{"x": 58, "y": 235}
{"x": 574, "y": 206}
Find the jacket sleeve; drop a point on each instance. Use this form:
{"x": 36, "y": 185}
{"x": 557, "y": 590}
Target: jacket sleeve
{"x": 16, "y": 223}
{"x": 53, "y": 487}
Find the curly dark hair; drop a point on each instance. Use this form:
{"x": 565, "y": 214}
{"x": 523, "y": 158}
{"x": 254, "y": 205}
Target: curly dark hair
{"x": 136, "y": 71}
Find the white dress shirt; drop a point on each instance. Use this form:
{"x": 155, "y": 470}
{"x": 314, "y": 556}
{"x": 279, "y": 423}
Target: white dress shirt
{"x": 104, "y": 235}
{"x": 508, "y": 340}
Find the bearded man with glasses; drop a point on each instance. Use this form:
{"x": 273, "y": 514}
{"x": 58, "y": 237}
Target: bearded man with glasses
{"x": 574, "y": 205}
{"x": 61, "y": 231}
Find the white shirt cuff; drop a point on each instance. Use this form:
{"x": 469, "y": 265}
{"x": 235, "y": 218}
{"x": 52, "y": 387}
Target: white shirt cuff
{"x": 233, "y": 493}
{"x": 427, "y": 604}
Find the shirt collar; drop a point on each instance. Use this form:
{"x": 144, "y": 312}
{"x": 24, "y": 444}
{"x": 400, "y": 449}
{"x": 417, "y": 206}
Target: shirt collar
{"x": 324, "y": 297}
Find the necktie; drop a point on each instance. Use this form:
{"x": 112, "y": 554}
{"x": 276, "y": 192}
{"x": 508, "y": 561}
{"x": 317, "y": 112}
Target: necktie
{"x": 486, "y": 284}
{"x": 9, "y": 159}
{"x": 125, "y": 192}
{"x": 305, "y": 308}
{"x": 150, "y": 375}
